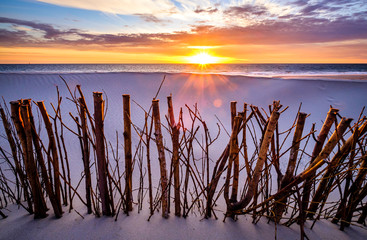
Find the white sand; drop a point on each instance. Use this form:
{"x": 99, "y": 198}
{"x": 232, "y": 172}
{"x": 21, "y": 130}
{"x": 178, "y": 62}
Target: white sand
{"x": 213, "y": 94}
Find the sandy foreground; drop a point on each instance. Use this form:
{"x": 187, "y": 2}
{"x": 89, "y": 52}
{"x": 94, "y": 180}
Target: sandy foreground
{"x": 212, "y": 93}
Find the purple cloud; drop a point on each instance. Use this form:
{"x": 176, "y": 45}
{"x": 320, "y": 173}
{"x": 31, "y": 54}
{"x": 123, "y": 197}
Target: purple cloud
{"x": 246, "y": 10}
{"x": 209, "y": 10}
{"x": 149, "y": 18}
{"x": 278, "y": 31}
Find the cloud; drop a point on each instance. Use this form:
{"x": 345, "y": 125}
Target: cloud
{"x": 49, "y": 30}
{"x": 300, "y": 3}
{"x": 149, "y": 18}
{"x": 247, "y": 10}
{"x": 209, "y": 10}
{"x": 267, "y": 32}
{"x": 328, "y": 6}
{"x": 123, "y": 7}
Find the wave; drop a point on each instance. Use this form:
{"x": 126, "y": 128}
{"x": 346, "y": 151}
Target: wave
{"x": 249, "y": 70}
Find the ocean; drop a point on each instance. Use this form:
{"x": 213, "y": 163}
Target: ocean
{"x": 258, "y": 70}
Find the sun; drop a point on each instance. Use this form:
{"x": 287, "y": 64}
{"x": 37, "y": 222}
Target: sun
{"x": 203, "y": 58}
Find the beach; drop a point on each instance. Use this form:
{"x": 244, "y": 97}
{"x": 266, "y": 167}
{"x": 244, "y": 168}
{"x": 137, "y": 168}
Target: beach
{"x": 167, "y": 119}
{"x": 212, "y": 93}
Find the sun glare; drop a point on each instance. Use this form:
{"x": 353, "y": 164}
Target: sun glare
{"x": 203, "y": 58}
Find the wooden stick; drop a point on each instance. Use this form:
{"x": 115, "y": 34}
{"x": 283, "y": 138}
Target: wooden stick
{"x": 234, "y": 152}
{"x": 244, "y": 142}
{"x": 269, "y": 132}
{"x": 338, "y": 157}
{"x": 175, "y": 156}
{"x": 49, "y": 189}
{"x": 319, "y": 161}
{"x": 355, "y": 188}
{"x": 128, "y": 155}
{"x": 330, "y": 119}
{"x": 85, "y": 148}
{"x": 18, "y": 167}
{"x": 161, "y": 157}
{"x": 100, "y": 152}
{"x": 52, "y": 145}
{"x": 40, "y": 207}
{"x": 148, "y": 137}
{"x": 280, "y": 206}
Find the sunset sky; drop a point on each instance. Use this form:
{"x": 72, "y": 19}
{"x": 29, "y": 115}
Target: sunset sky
{"x": 170, "y": 31}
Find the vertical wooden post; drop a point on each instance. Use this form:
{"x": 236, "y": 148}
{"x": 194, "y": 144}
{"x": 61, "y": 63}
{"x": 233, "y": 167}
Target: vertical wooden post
{"x": 244, "y": 141}
{"x": 85, "y": 140}
{"x": 128, "y": 154}
{"x": 16, "y": 118}
{"x": 175, "y": 155}
{"x": 161, "y": 156}
{"x": 268, "y": 135}
{"x": 234, "y": 153}
{"x": 18, "y": 167}
{"x": 52, "y": 144}
{"x": 280, "y": 206}
{"x": 42, "y": 165}
{"x": 148, "y": 137}
{"x": 39, "y": 202}
{"x": 233, "y": 112}
{"x": 100, "y": 152}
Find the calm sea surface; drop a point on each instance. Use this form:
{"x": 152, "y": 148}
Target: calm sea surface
{"x": 264, "y": 70}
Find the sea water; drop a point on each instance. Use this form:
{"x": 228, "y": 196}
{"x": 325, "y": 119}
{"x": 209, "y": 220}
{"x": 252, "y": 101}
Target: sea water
{"x": 257, "y": 70}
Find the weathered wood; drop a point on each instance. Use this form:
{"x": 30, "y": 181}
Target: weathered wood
{"x": 234, "y": 152}
{"x": 40, "y": 207}
{"x": 355, "y": 198}
{"x": 319, "y": 162}
{"x": 280, "y": 206}
{"x": 18, "y": 123}
{"x": 41, "y": 163}
{"x": 82, "y": 99}
{"x": 161, "y": 157}
{"x": 269, "y": 132}
{"x": 100, "y": 152}
{"x": 217, "y": 172}
{"x": 60, "y": 157}
{"x": 175, "y": 156}
{"x": 128, "y": 154}
{"x": 327, "y": 177}
{"x": 355, "y": 188}
{"x": 148, "y": 137}
{"x": 244, "y": 141}
{"x": 330, "y": 119}
{"x": 348, "y": 180}
{"x": 18, "y": 167}
{"x": 52, "y": 146}
{"x": 86, "y": 162}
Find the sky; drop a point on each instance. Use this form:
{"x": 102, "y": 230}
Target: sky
{"x": 172, "y": 31}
